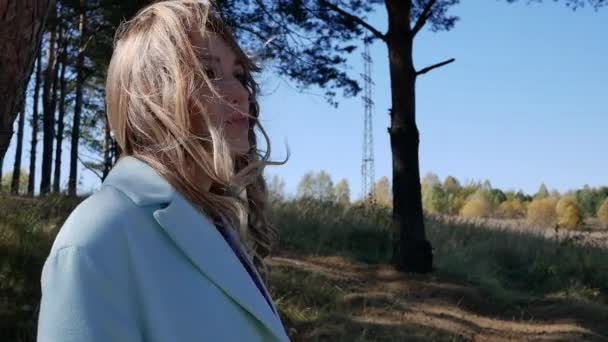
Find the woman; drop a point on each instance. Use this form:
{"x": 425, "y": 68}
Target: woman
{"x": 171, "y": 247}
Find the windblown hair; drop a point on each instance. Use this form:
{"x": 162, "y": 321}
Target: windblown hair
{"x": 152, "y": 88}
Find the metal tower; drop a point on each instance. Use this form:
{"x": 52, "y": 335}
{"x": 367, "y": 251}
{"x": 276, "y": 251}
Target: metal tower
{"x": 367, "y": 165}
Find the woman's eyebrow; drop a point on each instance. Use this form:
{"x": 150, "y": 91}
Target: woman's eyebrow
{"x": 216, "y": 59}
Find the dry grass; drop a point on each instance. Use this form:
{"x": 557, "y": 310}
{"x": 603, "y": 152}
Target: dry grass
{"x": 336, "y": 299}
{"x": 493, "y": 280}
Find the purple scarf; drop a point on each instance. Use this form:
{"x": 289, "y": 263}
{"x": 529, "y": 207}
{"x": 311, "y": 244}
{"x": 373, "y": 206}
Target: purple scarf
{"x": 234, "y": 243}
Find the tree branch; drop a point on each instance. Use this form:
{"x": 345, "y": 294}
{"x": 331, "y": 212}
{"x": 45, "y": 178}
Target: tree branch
{"x": 89, "y": 168}
{"x": 424, "y": 17}
{"x": 356, "y": 19}
{"x": 434, "y": 66}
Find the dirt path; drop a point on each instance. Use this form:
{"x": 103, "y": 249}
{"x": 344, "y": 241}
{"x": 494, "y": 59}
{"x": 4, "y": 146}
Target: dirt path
{"x": 384, "y": 305}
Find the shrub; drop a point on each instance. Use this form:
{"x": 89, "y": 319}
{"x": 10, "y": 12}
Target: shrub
{"x": 541, "y": 211}
{"x": 602, "y": 213}
{"x": 479, "y": 204}
{"x": 568, "y": 213}
{"x": 511, "y": 208}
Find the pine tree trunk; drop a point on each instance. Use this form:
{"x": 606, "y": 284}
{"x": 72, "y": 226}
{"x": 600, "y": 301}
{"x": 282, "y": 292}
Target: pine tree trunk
{"x": 1, "y": 166}
{"x": 48, "y": 116}
{"x": 115, "y": 152}
{"x": 60, "y": 123}
{"x": 32, "y": 176}
{"x": 107, "y": 150}
{"x": 21, "y": 26}
{"x": 412, "y": 252}
{"x": 77, "y": 109}
{"x": 17, "y": 168}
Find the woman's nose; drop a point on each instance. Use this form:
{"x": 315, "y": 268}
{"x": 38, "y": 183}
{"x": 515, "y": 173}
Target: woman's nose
{"x": 236, "y": 94}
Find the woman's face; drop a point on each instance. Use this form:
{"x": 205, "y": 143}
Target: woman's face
{"x": 226, "y": 73}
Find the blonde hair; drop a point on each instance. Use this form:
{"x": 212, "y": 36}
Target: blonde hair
{"x": 151, "y": 88}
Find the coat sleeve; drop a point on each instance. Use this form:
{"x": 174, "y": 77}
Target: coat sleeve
{"x": 80, "y": 302}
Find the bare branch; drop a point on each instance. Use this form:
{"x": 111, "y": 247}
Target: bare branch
{"x": 434, "y": 66}
{"x": 356, "y": 19}
{"x": 89, "y": 168}
{"x": 424, "y": 17}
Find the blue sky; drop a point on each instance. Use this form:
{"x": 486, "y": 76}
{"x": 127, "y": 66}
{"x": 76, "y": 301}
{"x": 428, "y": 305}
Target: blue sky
{"x": 525, "y": 102}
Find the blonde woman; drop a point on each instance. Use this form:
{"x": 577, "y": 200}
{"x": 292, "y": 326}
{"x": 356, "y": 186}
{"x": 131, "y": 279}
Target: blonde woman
{"x": 172, "y": 247}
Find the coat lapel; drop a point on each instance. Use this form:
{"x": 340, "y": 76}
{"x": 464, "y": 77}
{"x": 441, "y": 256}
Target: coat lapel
{"x": 197, "y": 237}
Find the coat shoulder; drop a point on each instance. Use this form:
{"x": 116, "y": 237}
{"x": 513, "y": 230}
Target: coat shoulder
{"x": 100, "y": 223}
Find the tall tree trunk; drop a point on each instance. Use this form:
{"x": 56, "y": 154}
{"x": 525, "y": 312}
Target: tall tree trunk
{"x": 48, "y": 118}
{"x": 17, "y": 168}
{"x": 60, "y": 124}
{"x": 413, "y": 252}
{"x": 77, "y": 109}
{"x": 115, "y": 151}
{"x": 1, "y": 167}
{"x": 32, "y": 176}
{"x": 107, "y": 150}
{"x": 21, "y": 25}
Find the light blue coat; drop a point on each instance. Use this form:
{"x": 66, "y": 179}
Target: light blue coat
{"x": 136, "y": 262}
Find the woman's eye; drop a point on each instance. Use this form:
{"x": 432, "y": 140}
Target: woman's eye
{"x": 210, "y": 73}
{"x": 241, "y": 77}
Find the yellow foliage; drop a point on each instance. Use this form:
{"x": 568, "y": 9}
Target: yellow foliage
{"x": 476, "y": 207}
{"x": 541, "y": 211}
{"x": 568, "y": 213}
{"x": 511, "y": 208}
{"x": 602, "y": 213}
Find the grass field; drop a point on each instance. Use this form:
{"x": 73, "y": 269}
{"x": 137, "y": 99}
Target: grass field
{"x": 332, "y": 280}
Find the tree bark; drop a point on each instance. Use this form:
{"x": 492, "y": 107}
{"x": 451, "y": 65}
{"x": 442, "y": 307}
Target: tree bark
{"x": 107, "y": 150}
{"x": 412, "y": 251}
{"x": 1, "y": 167}
{"x": 77, "y": 109}
{"x": 17, "y": 167}
{"x": 48, "y": 116}
{"x": 60, "y": 123}
{"x": 21, "y": 25}
{"x": 32, "y": 176}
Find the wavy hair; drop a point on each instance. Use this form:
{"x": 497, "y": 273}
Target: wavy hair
{"x": 151, "y": 89}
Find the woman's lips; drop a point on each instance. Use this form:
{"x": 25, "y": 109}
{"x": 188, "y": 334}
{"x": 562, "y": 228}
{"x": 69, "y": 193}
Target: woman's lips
{"x": 239, "y": 122}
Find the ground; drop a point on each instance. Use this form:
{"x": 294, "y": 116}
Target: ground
{"x": 379, "y": 304}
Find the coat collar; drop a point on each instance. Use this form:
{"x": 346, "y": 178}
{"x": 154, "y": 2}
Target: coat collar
{"x": 196, "y": 236}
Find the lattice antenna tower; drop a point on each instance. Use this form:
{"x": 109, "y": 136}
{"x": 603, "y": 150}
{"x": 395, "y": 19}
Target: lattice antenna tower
{"x": 367, "y": 165}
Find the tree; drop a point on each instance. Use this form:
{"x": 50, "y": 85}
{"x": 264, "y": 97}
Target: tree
{"x": 511, "y": 208}
{"x": 80, "y": 76}
{"x": 31, "y": 182}
{"x": 589, "y": 199}
{"x": 49, "y": 99}
{"x": 576, "y": 4}
{"x": 276, "y": 188}
{"x": 15, "y": 184}
{"x": 478, "y": 204}
{"x": 1, "y": 170}
{"x": 21, "y": 28}
{"x": 342, "y": 192}
{"x": 602, "y": 213}
{"x": 7, "y": 178}
{"x": 310, "y": 39}
{"x": 541, "y": 211}
{"x": 429, "y": 180}
{"x": 451, "y": 185}
{"x": 542, "y": 191}
{"x": 60, "y": 119}
{"x": 318, "y": 186}
{"x": 324, "y": 187}
{"x": 435, "y": 199}
{"x": 305, "y": 187}
{"x": 382, "y": 192}
{"x": 568, "y": 213}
